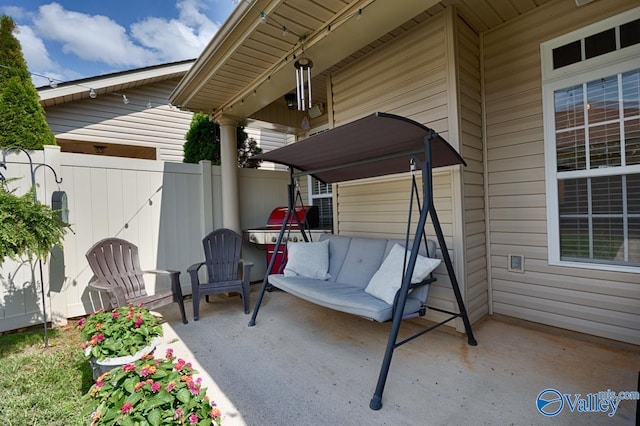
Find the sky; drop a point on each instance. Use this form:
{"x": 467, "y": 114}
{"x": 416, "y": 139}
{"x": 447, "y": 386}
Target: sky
{"x": 68, "y": 40}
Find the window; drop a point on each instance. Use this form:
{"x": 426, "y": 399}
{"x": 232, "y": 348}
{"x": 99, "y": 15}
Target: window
{"x": 592, "y": 152}
{"x": 320, "y": 195}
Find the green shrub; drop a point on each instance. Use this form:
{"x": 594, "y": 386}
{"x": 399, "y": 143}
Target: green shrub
{"x": 203, "y": 143}
{"x": 22, "y": 118}
{"x": 26, "y": 226}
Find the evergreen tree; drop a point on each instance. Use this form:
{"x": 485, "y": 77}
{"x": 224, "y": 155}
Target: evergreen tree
{"x": 203, "y": 143}
{"x": 22, "y": 119}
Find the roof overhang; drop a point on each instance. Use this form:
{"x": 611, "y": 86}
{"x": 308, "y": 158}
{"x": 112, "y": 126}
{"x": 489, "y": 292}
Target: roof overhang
{"x": 79, "y": 89}
{"x": 249, "y": 64}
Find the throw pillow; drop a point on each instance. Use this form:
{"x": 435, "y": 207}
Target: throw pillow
{"x": 387, "y": 280}
{"x": 309, "y": 260}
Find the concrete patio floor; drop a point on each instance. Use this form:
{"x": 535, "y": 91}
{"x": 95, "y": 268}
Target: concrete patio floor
{"x": 306, "y": 365}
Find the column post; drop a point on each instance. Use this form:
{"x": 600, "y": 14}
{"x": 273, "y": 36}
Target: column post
{"x": 229, "y": 173}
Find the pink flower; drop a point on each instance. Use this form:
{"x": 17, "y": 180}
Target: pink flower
{"x": 99, "y": 384}
{"x": 181, "y": 363}
{"x": 170, "y": 386}
{"x": 155, "y": 387}
{"x": 115, "y": 314}
{"x": 138, "y": 322}
{"x": 169, "y": 354}
{"x": 178, "y": 413}
{"x": 126, "y": 408}
{"x": 193, "y": 419}
{"x": 95, "y": 339}
{"x": 129, "y": 367}
{"x": 81, "y": 322}
{"x": 139, "y": 386}
{"x": 147, "y": 370}
{"x": 195, "y": 390}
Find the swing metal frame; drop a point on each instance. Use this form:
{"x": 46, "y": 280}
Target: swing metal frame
{"x": 418, "y": 150}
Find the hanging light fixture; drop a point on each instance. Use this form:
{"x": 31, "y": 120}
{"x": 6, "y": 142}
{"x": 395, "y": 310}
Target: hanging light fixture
{"x": 303, "y": 67}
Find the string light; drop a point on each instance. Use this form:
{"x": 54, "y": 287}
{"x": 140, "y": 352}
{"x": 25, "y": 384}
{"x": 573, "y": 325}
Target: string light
{"x": 264, "y": 19}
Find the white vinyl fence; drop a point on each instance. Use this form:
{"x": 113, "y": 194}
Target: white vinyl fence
{"x": 164, "y": 208}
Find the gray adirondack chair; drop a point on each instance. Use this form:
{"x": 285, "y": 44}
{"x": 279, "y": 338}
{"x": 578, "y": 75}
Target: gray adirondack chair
{"x": 116, "y": 266}
{"x": 226, "y": 271}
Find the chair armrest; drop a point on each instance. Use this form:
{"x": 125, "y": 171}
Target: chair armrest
{"x": 246, "y": 263}
{"x": 195, "y": 267}
{"x": 161, "y": 271}
{"x": 116, "y": 294}
{"x": 176, "y": 288}
{"x": 246, "y": 269}
{"x": 193, "y": 272}
{"x": 424, "y": 282}
{"x": 99, "y": 286}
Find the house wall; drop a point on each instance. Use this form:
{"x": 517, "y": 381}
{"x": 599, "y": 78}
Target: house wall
{"x": 106, "y": 119}
{"x": 268, "y": 140}
{"x": 596, "y": 302}
{"x": 410, "y": 76}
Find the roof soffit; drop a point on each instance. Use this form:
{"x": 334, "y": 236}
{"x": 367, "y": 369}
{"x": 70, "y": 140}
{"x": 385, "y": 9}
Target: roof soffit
{"x": 79, "y": 89}
{"x": 233, "y": 75}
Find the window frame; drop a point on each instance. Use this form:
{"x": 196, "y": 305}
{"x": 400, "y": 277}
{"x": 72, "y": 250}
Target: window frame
{"x": 608, "y": 64}
{"x": 310, "y": 181}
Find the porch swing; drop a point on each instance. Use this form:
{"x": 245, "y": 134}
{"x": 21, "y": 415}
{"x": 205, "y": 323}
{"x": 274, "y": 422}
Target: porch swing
{"x": 377, "y": 145}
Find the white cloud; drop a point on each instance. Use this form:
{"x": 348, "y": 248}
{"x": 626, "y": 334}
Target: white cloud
{"x": 153, "y": 40}
{"x": 17, "y": 13}
{"x": 33, "y": 49}
{"x": 107, "y": 44}
{"x": 95, "y": 38}
{"x": 177, "y": 39}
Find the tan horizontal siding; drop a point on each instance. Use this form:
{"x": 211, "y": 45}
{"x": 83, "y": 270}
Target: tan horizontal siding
{"x": 603, "y": 303}
{"x": 406, "y": 76}
{"x": 107, "y": 119}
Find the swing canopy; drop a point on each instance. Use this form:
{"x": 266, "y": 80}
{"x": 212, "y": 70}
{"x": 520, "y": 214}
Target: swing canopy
{"x": 376, "y": 145}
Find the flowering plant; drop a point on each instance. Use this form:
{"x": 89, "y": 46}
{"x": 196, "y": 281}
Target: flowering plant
{"x": 120, "y": 332}
{"x": 150, "y": 392}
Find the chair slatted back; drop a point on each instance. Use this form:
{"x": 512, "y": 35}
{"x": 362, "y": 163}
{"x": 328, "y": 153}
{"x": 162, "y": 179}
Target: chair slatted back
{"x": 222, "y": 254}
{"x": 115, "y": 261}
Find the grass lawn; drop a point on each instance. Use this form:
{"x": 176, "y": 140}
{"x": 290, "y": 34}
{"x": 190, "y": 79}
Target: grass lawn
{"x": 41, "y": 386}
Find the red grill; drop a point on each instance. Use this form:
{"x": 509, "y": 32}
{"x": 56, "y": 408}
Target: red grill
{"x": 267, "y": 236}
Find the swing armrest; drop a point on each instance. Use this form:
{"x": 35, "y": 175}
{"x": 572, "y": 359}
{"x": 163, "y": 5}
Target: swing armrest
{"x": 424, "y": 282}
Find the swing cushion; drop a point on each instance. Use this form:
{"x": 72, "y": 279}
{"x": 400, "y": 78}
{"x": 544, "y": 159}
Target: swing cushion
{"x": 309, "y": 260}
{"x": 352, "y": 263}
{"x": 387, "y": 280}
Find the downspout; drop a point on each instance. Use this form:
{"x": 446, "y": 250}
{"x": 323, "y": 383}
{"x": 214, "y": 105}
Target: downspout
{"x": 485, "y": 170}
